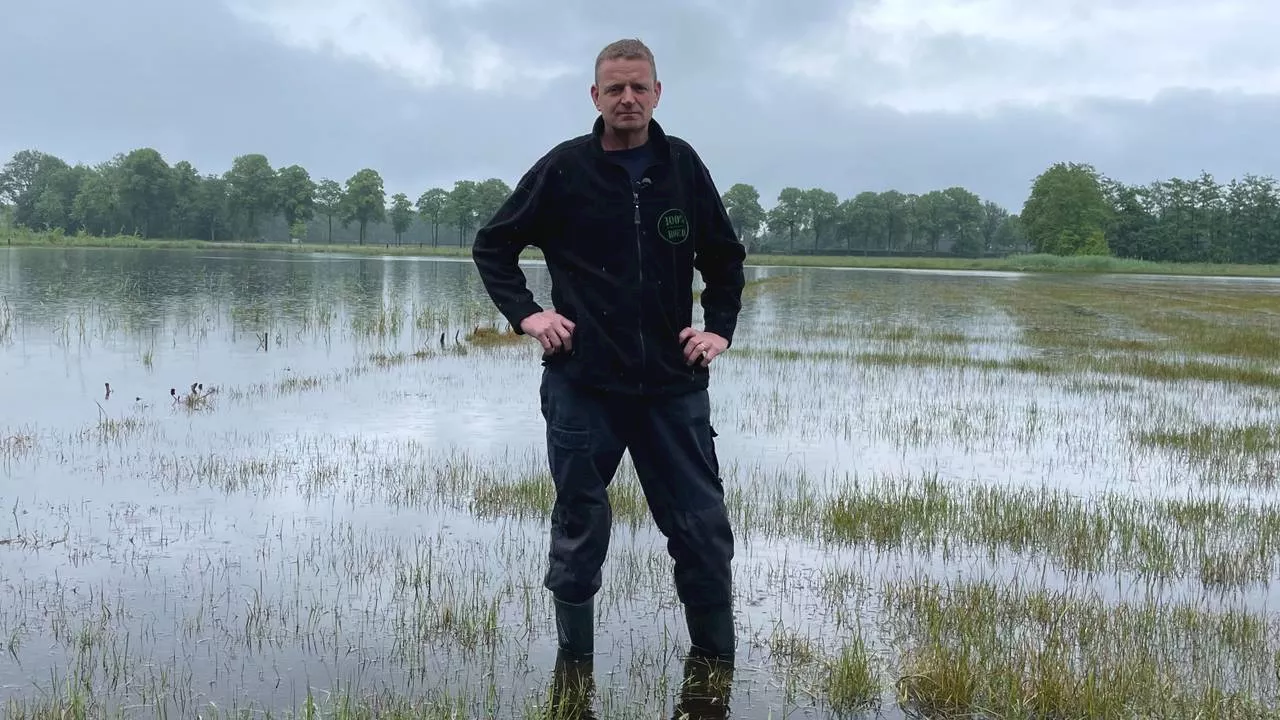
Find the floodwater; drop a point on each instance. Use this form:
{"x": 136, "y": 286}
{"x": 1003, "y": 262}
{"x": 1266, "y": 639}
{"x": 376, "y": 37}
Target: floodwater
{"x": 349, "y": 501}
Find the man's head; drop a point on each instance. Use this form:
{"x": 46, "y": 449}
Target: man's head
{"x": 626, "y": 89}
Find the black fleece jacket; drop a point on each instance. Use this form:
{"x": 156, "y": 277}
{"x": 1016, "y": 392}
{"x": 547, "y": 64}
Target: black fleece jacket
{"x": 621, "y": 257}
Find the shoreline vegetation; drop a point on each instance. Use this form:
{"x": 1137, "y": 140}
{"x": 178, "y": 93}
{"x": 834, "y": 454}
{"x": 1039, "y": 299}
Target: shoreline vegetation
{"x": 1028, "y": 263}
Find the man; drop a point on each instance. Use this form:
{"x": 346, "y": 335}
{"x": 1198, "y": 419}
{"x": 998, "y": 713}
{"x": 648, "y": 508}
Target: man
{"x": 623, "y": 215}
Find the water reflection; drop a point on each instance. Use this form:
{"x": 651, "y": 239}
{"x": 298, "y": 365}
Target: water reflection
{"x": 304, "y": 521}
{"x": 703, "y": 693}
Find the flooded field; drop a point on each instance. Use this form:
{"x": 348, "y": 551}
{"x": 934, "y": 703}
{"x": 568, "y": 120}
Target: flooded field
{"x": 234, "y": 485}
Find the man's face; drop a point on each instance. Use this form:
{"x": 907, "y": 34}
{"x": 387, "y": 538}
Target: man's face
{"x": 625, "y": 93}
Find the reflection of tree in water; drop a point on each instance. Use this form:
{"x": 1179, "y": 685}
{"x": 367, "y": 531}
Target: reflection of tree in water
{"x": 704, "y": 690}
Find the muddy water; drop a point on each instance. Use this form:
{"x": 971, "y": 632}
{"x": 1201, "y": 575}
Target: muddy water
{"x": 311, "y": 523}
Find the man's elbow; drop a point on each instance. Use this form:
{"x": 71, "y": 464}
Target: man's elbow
{"x": 490, "y": 247}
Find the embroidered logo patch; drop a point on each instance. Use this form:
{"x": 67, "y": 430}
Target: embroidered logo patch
{"x": 673, "y": 226}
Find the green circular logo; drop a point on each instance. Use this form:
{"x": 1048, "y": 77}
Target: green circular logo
{"x": 673, "y": 226}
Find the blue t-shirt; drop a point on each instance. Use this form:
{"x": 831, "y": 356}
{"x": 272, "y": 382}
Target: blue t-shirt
{"x": 636, "y": 160}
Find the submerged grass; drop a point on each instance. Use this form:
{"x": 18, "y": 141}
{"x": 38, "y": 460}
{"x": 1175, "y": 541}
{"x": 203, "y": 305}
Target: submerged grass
{"x": 1009, "y": 650}
{"x": 1242, "y": 454}
{"x": 1210, "y": 442}
{"x": 494, "y": 336}
{"x": 1078, "y": 368}
{"x": 7, "y": 321}
{"x": 1152, "y": 318}
{"x": 1214, "y": 540}
{"x": 410, "y": 571}
{"x": 852, "y": 679}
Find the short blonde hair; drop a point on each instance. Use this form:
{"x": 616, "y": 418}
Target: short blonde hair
{"x": 627, "y": 49}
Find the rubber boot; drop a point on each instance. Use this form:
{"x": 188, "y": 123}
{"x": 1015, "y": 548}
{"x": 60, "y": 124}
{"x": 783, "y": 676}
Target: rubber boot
{"x": 575, "y": 626}
{"x": 711, "y": 633}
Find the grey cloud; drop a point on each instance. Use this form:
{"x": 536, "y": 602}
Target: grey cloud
{"x": 198, "y": 83}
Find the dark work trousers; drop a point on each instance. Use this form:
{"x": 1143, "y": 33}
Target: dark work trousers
{"x": 671, "y": 443}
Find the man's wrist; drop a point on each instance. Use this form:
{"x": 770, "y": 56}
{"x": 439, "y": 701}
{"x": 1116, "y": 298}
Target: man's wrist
{"x": 516, "y": 315}
{"x": 724, "y": 331}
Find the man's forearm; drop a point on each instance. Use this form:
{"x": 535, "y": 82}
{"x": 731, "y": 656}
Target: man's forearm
{"x": 719, "y": 258}
{"x": 722, "y": 301}
{"x": 498, "y": 245}
{"x": 499, "y": 268}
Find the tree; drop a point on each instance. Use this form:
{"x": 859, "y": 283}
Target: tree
{"x": 431, "y": 205}
{"x": 213, "y": 206}
{"x": 742, "y": 203}
{"x": 788, "y": 214}
{"x": 964, "y": 218}
{"x": 251, "y": 190}
{"x": 1253, "y": 220}
{"x": 96, "y": 207}
{"x": 328, "y": 201}
{"x": 27, "y": 177}
{"x": 897, "y": 218}
{"x": 364, "y": 200}
{"x": 819, "y": 208}
{"x": 146, "y": 190}
{"x": 1071, "y": 209}
{"x": 295, "y": 195}
{"x": 462, "y": 207}
{"x": 183, "y": 215}
{"x": 1010, "y": 236}
{"x": 23, "y": 172}
{"x": 861, "y": 218}
{"x": 489, "y": 196}
{"x": 1128, "y": 224}
{"x": 1067, "y": 211}
{"x": 993, "y": 217}
{"x": 401, "y": 214}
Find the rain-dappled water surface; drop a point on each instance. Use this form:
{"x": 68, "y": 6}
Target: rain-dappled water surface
{"x": 253, "y": 481}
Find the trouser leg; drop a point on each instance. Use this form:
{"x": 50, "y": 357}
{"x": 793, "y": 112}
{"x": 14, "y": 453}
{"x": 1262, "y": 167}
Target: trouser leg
{"x": 583, "y": 453}
{"x": 672, "y": 445}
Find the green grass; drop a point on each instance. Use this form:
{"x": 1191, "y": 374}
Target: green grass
{"x": 1211, "y": 442}
{"x": 852, "y": 681}
{"x": 1144, "y": 367}
{"x": 1028, "y": 263}
{"x": 963, "y": 415}
{"x": 6, "y": 321}
{"x": 1014, "y": 651}
{"x": 1215, "y": 541}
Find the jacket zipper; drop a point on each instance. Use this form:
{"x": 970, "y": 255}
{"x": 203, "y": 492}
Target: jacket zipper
{"x": 635, "y": 197}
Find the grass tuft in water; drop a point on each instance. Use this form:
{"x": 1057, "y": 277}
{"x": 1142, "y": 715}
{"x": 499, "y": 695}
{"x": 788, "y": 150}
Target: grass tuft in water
{"x": 851, "y": 682}
{"x": 978, "y": 646}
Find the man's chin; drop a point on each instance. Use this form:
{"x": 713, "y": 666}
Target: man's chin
{"x": 629, "y": 122}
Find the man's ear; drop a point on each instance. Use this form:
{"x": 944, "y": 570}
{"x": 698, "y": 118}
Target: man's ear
{"x": 595, "y": 95}
{"x": 657, "y": 92}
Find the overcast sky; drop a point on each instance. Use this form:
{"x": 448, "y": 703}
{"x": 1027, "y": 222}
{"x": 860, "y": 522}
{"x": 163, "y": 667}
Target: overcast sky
{"x": 850, "y": 96}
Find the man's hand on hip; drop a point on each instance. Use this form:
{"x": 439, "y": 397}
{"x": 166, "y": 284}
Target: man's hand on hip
{"x": 701, "y": 346}
{"x": 550, "y": 328}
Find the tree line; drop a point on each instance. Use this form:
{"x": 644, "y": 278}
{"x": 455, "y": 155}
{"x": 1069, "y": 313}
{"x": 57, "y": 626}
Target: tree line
{"x": 139, "y": 193}
{"x": 1075, "y": 210}
{"x": 1071, "y": 209}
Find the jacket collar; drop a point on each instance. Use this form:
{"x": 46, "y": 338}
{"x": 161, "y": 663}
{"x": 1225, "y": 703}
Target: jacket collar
{"x": 657, "y": 138}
